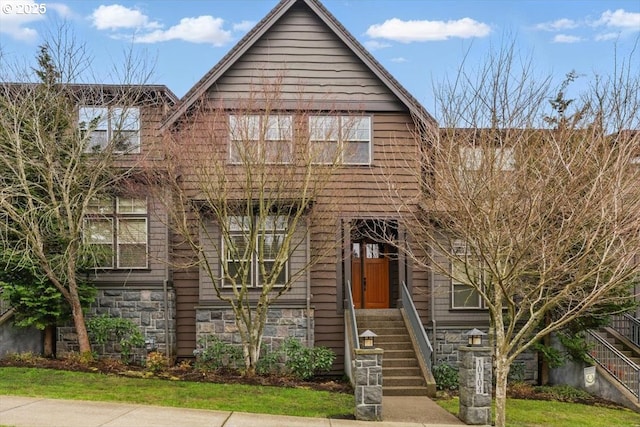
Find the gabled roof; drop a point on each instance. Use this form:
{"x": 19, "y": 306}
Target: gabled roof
{"x": 263, "y": 26}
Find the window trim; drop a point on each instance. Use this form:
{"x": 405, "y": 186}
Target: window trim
{"x": 254, "y": 272}
{"x": 109, "y": 128}
{"x": 254, "y": 134}
{"x": 341, "y": 140}
{"x": 115, "y": 216}
{"x": 460, "y": 248}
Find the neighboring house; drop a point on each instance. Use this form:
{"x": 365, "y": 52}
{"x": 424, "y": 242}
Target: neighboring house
{"x": 129, "y": 229}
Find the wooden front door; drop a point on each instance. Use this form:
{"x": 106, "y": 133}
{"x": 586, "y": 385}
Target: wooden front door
{"x": 369, "y": 275}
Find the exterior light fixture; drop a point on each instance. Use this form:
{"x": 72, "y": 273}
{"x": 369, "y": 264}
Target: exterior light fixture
{"x": 368, "y": 339}
{"x": 474, "y": 337}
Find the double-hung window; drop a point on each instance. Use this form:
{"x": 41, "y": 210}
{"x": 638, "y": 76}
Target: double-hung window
{"x": 260, "y": 138}
{"x": 115, "y": 126}
{"x": 465, "y": 277}
{"x": 252, "y": 250}
{"x": 346, "y": 139}
{"x": 117, "y": 229}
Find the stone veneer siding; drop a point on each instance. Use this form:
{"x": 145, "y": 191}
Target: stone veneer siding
{"x": 448, "y": 340}
{"x": 145, "y": 307}
{"x": 282, "y": 323}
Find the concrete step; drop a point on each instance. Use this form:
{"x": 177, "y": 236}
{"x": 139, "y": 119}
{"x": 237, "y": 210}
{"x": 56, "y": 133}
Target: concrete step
{"x": 398, "y": 354}
{"x": 400, "y": 330}
{"x": 400, "y": 371}
{"x": 395, "y": 346}
{"x": 408, "y": 362}
{"x": 404, "y": 391}
{"x": 405, "y": 381}
{"x": 379, "y": 324}
{"x": 384, "y": 339}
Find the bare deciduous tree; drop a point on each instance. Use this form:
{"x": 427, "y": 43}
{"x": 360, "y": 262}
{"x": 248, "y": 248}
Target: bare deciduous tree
{"x": 52, "y": 166}
{"x": 531, "y": 201}
{"x": 247, "y": 186}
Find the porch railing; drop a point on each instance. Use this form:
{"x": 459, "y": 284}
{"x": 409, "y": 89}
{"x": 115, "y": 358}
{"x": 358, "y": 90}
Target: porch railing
{"x": 351, "y": 341}
{"x": 419, "y": 333}
{"x": 614, "y": 362}
{"x": 628, "y": 326}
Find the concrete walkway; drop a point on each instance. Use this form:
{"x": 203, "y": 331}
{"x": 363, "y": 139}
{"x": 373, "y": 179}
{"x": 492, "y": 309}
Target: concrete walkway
{"x": 19, "y": 411}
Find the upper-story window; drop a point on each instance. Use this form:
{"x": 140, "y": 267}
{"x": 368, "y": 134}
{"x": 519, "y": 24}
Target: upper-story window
{"x": 474, "y": 158}
{"x": 346, "y": 139}
{"x": 260, "y": 138}
{"x": 119, "y": 126}
{"x": 118, "y": 229}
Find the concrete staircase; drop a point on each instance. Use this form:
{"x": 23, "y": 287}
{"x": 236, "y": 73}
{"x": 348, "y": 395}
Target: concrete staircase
{"x": 622, "y": 344}
{"x": 401, "y": 372}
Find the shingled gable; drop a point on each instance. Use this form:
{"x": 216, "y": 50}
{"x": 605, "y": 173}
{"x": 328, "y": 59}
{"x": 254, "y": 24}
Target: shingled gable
{"x": 209, "y": 79}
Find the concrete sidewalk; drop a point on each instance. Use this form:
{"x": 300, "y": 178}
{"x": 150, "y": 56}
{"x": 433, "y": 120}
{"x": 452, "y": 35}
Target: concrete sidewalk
{"x": 18, "y": 411}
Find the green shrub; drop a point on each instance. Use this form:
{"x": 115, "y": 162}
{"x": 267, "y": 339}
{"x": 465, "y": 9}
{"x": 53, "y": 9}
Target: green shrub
{"x": 446, "y": 376}
{"x": 269, "y": 362}
{"x": 213, "y": 354}
{"x": 156, "y": 362}
{"x": 304, "y": 362}
{"x": 563, "y": 393}
{"x": 103, "y": 329}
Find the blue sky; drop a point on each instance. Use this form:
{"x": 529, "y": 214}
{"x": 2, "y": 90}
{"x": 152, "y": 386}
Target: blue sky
{"x": 419, "y": 41}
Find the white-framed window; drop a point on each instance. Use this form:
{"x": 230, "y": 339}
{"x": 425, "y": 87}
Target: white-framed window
{"x": 465, "y": 271}
{"x": 119, "y": 126}
{"x": 472, "y": 158}
{"x": 118, "y": 227}
{"x": 250, "y": 242}
{"x": 257, "y": 138}
{"x": 346, "y": 136}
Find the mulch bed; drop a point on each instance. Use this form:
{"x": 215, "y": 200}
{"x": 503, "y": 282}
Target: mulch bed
{"x": 182, "y": 372}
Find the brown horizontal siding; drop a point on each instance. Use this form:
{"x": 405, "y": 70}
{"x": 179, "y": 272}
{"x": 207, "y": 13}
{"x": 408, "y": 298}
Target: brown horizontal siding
{"x": 306, "y": 57}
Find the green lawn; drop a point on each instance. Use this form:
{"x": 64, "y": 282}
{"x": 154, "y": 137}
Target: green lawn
{"x": 272, "y": 400}
{"x": 226, "y": 397}
{"x": 541, "y": 413}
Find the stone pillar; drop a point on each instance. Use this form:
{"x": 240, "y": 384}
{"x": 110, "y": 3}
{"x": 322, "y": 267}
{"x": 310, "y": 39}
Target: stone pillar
{"x": 475, "y": 385}
{"x": 368, "y": 384}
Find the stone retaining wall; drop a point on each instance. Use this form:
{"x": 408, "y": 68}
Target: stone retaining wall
{"x": 145, "y": 307}
{"x": 282, "y": 323}
{"x": 448, "y": 340}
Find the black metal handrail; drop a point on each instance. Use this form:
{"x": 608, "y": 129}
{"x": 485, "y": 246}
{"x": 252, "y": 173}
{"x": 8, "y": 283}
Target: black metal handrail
{"x": 351, "y": 340}
{"x": 628, "y": 326}
{"x": 614, "y": 362}
{"x": 426, "y": 349}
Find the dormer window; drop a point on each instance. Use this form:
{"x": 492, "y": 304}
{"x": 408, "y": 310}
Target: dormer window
{"x": 105, "y": 126}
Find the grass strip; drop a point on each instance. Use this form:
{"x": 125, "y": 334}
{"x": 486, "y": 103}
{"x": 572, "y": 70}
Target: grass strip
{"x": 539, "y": 413}
{"x": 55, "y": 384}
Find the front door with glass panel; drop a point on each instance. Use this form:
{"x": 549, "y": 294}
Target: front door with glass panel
{"x": 369, "y": 275}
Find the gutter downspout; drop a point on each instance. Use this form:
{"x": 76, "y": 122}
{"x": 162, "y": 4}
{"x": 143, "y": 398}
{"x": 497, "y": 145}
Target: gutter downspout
{"x": 165, "y": 291}
{"x": 308, "y": 297}
{"x": 432, "y": 278}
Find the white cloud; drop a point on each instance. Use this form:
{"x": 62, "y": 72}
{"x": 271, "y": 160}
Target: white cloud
{"x": 399, "y": 59}
{"x": 557, "y": 25}
{"x": 606, "y": 36}
{"x": 243, "y": 26}
{"x": 566, "y": 38}
{"x": 115, "y": 16}
{"x": 620, "y": 19}
{"x": 18, "y": 24}
{"x": 375, "y": 45}
{"x": 202, "y": 29}
{"x": 419, "y": 31}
